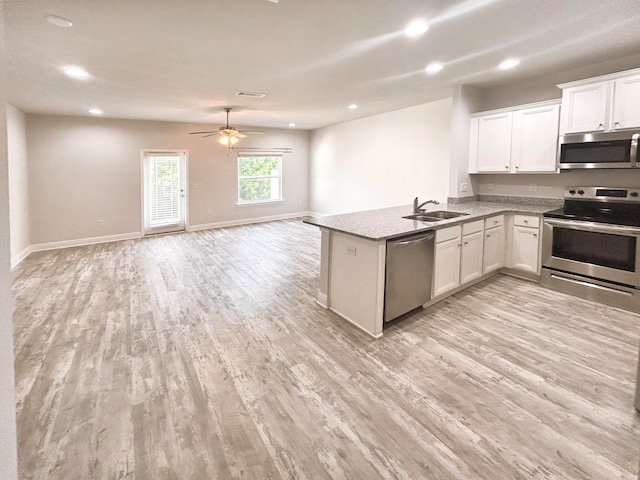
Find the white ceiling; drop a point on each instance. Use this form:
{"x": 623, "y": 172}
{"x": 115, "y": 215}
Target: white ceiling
{"x": 185, "y": 60}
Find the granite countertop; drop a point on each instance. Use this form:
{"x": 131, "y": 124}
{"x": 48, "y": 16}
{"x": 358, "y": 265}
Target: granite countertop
{"x": 386, "y": 223}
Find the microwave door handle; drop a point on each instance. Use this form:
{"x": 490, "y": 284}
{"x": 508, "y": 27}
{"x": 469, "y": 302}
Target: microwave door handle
{"x": 634, "y": 149}
{"x": 593, "y": 227}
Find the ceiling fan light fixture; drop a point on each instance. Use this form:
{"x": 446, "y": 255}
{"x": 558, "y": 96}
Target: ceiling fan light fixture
{"x": 228, "y": 139}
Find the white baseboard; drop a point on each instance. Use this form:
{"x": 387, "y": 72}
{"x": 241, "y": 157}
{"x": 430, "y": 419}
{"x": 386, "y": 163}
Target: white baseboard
{"x": 16, "y": 259}
{"x": 246, "y": 221}
{"x": 40, "y": 247}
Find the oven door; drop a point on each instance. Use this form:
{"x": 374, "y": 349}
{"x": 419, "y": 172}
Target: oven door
{"x": 601, "y": 251}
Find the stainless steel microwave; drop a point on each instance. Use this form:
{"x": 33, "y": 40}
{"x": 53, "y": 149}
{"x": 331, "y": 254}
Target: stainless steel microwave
{"x": 599, "y": 150}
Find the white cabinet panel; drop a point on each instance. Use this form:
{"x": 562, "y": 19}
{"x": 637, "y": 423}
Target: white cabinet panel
{"x": 446, "y": 272}
{"x": 535, "y": 139}
{"x": 494, "y": 143}
{"x": 626, "y": 107}
{"x": 584, "y": 108}
{"x": 493, "y": 257}
{"x": 471, "y": 257}
{"x": 526, "y": 245}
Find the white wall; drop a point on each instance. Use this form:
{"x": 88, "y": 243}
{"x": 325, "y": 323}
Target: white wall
{"x": 465, "y": 100}
{"x": 8, "y": 442}
{"x": 82, "y": 170}
{"x": 18, "y": 184}
{"x": 383, "y": 160}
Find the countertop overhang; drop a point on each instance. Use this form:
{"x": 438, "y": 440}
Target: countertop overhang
{"x": 387, "y": 223}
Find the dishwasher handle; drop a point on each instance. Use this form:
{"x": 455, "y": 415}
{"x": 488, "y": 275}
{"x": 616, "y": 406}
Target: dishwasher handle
{"x": 425, "y": 238}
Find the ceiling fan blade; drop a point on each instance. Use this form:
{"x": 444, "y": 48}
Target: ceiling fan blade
{"x": 198, "y": 133}
{"x": 238, "y": 134}
{"x": 274, "y": 1}
{"x": 247, "y": 132}
{"x": 210, "y": 135}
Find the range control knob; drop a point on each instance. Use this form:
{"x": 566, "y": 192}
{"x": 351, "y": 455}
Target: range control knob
{"x": 580, "y": 192}
{"x": 572, "y": 191}
{"x": 633, "y": 194}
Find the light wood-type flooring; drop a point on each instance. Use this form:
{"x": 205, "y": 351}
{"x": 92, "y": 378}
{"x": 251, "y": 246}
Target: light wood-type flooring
{"x": 204, "y": 356}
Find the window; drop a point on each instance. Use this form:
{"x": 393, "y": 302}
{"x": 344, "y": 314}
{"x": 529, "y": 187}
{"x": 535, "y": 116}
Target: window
{"x": 259, "y": 179}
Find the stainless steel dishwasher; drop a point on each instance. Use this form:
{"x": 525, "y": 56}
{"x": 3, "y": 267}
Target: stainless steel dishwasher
{"x": 409, "y": 270}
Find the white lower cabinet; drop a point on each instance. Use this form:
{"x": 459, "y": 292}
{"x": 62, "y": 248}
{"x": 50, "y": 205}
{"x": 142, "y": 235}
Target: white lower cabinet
{"x": 525, "y": 254}
{"x": 471, "y": 251}
{"x": 493, "y": 257}
{"x": 446, "y": 266}
{"x": 458, "y": 256}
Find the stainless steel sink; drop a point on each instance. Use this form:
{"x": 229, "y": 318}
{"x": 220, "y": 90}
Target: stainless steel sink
{"x": 437, "y": 216}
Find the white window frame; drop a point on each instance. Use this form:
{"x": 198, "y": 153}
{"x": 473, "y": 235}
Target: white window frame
{"x": 259, "y": 177}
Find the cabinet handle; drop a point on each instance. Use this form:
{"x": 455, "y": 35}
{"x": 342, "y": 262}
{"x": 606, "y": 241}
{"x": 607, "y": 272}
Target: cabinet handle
{"x": 616, "y": 124}
{"x": 600, "y": 125}
{"x": 535, "y": 234}
{"x": 507, "y": 167}
{"x": 466, "y": 243}
{"x": 517, "y": 167}
{"x": 488, "y": 235}
{"x": 526, "y": 221}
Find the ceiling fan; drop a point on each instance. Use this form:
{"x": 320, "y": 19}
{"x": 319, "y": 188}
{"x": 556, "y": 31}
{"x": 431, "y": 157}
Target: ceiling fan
{"x": 228, "y": 135}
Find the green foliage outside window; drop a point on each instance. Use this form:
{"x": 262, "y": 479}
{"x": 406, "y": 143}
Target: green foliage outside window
{"x": 259, "y": 178}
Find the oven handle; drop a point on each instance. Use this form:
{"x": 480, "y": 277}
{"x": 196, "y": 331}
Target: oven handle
{"x": 593, "y": 227}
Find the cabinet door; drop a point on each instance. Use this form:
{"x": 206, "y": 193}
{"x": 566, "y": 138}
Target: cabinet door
{"x": 584, "y": 108}
{"x": 446, "y": 270}
{"x": 535, "y": 139}
{"x": 471, "y": 257}
{"x": 525, "y": 248}
{"x": 493, "y": 257}
{"x": 494, "y": 143}
{"x": 626, "y": 107}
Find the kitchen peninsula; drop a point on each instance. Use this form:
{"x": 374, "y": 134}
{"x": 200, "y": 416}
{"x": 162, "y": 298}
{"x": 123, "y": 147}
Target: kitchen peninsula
{"x": 488, "y": 238}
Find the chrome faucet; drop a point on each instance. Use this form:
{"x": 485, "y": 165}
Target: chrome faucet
{"x": 418, "y": 208}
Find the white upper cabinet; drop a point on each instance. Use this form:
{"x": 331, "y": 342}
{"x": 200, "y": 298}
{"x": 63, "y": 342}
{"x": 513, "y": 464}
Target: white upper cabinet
{"x": 517, "y": 140}
{"x": 535, "y": 139}
{"x": 607, "y": 103}
{"x": 626, "y": 107}
{"x": 494, "y": 142}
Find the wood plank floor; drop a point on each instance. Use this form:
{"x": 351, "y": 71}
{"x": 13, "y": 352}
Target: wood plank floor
{"x": 204, "y": 356}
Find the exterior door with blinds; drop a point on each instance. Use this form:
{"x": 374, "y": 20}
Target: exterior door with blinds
{"x": 164, "y": 191}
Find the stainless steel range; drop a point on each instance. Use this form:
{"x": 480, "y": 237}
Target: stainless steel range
{"x": 591, "y": 247}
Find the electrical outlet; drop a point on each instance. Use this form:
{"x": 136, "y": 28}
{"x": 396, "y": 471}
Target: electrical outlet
{"x": 351, "y": 250}
{"x": 464, "y": 187}
{"x": 490, "y": 187}
{"x": 100, "y": 222}
{"x": 533, "y": 187}
{"x": 209, "y": 212}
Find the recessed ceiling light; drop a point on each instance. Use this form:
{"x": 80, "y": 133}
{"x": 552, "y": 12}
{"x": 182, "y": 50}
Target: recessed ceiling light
{"x": 76, "y": 72}
{"x": 95, "y": 111}
{"x": 58, "y": 21}
{"x": 417, "y": 27}
{"x": 509, "y": 63}
{"x": 433, "y": 68}
{"x": 292, "y": 124}
{"x": 353, "y": 106}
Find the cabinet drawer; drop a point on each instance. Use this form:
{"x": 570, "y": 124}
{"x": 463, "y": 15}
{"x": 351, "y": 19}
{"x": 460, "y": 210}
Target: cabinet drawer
{"x": 526, "y": 221}
{"x": 472, "y": 227}
{"x": 496, "y": 221}
{"x": 448, "y": 233}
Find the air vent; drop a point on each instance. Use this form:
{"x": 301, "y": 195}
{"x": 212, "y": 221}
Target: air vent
{"x": 251, "y": 94}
